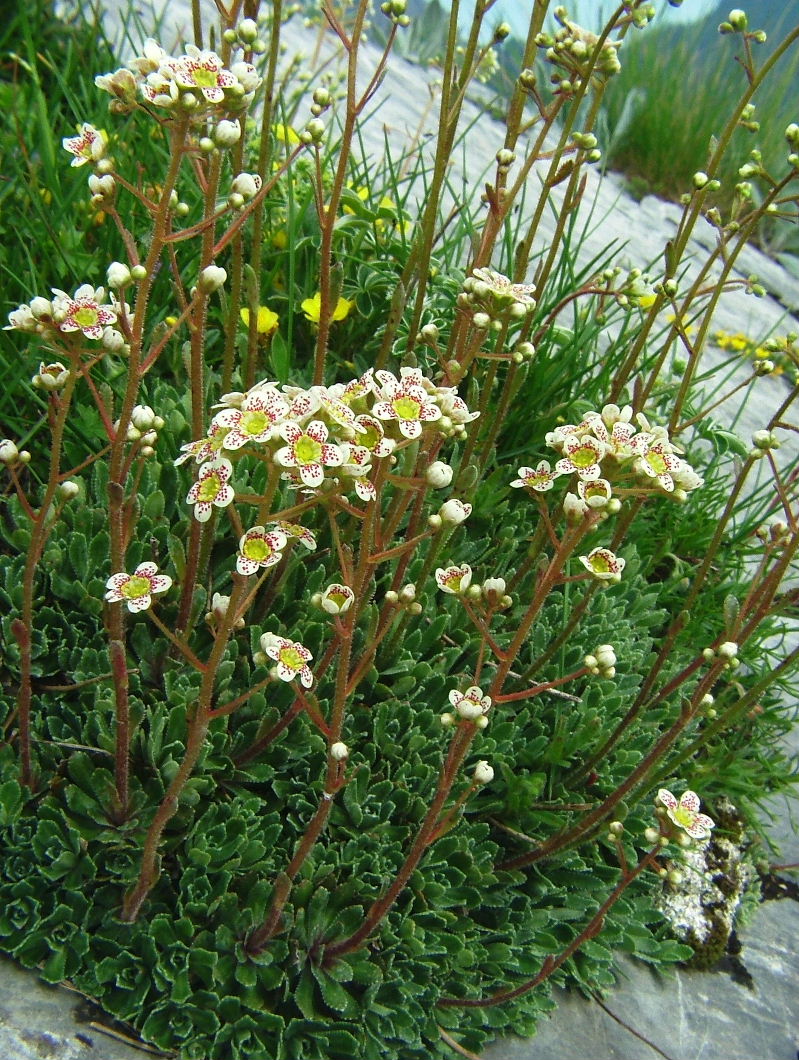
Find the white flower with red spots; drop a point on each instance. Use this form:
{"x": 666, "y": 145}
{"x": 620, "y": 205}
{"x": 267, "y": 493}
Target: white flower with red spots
{"x": 372, "y": 436}
{"x": 539, "y": 478}
{"x": 357, "y": 465}
{"x": 256, "y": 420}
{"x": 455, "y": 580}
{"x": 137, "y": 589}
{"x": 451, "y": 405}
{"x": 406, "y": 402}
{"x": 470, "y": 704}
{"x": 204, "y": 449}
{"x": 336, "y": 410}
{"x": 504, "y": 288}
{"x": 603, "y": 564}
{"x": 202, "y": 71}
{"x": 88, "y": 146}
{"x": 596, "y": 493}
{"x": 83, "y": 312}
{"x": 299, "y": 533}
{"x": 292, "y": 658}
{"x": 336, "y": 599}
{"x": 308, "y": 451}
{"x": 685, "y": 813}
{"x": 359, "y": 389}
{"x": 617, "y": 439}
{"x": 211, "y": 490}
{"x": 258, "y": 548}
{"x": 656, "y": 459}
{"x": 581, "y": 456}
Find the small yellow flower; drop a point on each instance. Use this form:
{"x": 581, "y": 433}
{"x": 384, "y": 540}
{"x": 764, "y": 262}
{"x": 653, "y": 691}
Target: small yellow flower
{"x": 362, "y": 193}
{"x": 286, "y": 134}
{"x": 267, "y": 320}
{"x": 312, "y": 307}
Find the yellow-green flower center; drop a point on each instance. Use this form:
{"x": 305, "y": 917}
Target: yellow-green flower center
{"x": 585, "y": 456}
{"x": 209, "y": 489}
{"x": 291, "y": 657}
{"x": 135, "y": 587}
{"x": 657, "y": 462}
{"x": 683, "y": 816}
{"x": 307, "y": 450}
{"x": 205, "y": 78}
{"x": 600, "y": 564}
{"x": 406, "y": 408}
{"x": 370, "y": 438}
{"x": 257, "y": 549}
{"x": 255, "y": 422}
{"x": 85, "y": 317}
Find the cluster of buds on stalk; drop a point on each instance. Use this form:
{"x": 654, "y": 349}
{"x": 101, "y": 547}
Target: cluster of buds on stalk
{"x": 602, "y": 662}
{"x": 727, "y": 652}
{"x": 143, "y": 428}
{"x": 572, "y": 49}
{"x": 11, "y": 456}
{"x": 405, "y": 599}
{"x": 738, "y": 22}
{"x": 245, "y": 36}
{"x": 395, "y": 12}
{"x": 493, "y": 300}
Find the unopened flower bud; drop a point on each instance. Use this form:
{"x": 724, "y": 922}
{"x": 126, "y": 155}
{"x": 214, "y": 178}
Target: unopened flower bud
{"x": 483, "y": 773}
{"x": 138, "y": 273}
{"x": 9, "y": 454}
{"x": 494, "y": 588}
{"x": 438, "y": 475}
{"x": 764, "y": 440}
{"x": 727, "y": 650}
{"x": 454, "y": 511}
{"x": 700, "y": 179}
{"x": 68, "y": 490}
{"x": 447, "y": 719}
{"x": 738, "y": 20}
{"x": 339, "y": 751}
{"x": 651, "y": 835}
{"x": 118, "y": 274}
{"x": 248, "y": 30}
{"x": 227, "y": 133}
{"x": 502, "y": 32}
{"x": 113, "y": 340}
{"x": 212, "y": 278}
{"x": 142, "y": 417}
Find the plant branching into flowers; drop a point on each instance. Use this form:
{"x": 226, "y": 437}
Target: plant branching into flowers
{"x": 443, "y": 591}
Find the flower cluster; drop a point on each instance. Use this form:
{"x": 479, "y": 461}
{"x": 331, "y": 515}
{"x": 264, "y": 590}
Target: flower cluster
{"x": 83, "y": 314}
{"x": 493, "y": 299}
{"x": 196, "y": 82}
{"x": 323, "y": 436}
{"x": 606, "y": 451}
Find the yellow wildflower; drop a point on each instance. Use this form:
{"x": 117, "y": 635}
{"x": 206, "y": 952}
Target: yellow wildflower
{"x": 267, "y": 320}
{"x": 312, "y": 307}
{"x": 286, "y": 134}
